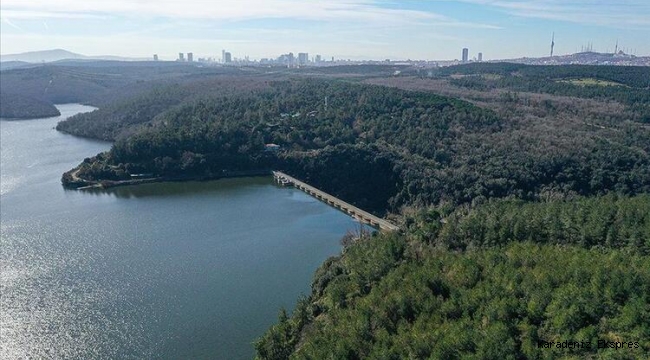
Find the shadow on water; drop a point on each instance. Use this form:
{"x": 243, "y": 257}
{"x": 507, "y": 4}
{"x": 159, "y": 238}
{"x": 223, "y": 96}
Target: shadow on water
{"x": 184, "y": 188}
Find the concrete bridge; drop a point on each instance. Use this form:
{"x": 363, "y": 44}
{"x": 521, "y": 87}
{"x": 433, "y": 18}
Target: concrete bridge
{"x": 355, "y": 212}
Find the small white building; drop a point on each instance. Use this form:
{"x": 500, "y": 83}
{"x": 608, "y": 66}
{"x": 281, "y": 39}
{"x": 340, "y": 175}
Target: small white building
{"x": 271, "y": 147}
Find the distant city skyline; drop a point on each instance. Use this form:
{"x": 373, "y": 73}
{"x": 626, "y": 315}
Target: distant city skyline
{"x": 344, "y": 29}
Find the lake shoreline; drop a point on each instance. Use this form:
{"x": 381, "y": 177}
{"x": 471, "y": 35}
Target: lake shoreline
{"x": 69, "y": 179}
{"x": 167, "y": 270}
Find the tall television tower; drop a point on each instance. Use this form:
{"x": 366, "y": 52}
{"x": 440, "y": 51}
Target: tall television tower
{"x": 552, "y": 43}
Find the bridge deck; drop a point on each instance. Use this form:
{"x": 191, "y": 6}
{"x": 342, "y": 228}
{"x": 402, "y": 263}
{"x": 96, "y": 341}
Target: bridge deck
{"x": 352, "y": 210}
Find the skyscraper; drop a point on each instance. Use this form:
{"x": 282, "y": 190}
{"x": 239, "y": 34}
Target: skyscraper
{"x": 318, "y": 59}
{"x": 303, "y": 58}
{"x": 465, "y": 54}
{"x": 227, "y": 57}
{"x": 155, "y": 57}
{"x": 480, "y": 57}
{"x": 223, "y": 56}
{"x": 181, "y": 57}
{"x": 190, "y": 57}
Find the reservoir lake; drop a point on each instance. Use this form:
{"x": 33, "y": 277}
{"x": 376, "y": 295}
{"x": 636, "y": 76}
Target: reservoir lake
{"x": 192, "y": 270}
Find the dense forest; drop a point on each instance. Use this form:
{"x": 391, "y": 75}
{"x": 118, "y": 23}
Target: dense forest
{"x": 23, "y": 107}
{"x": 522, "y": 192}
{"x": 492, "y": 282}
{"x": 374, "y": 146}
{"x": 123, "y": 115}
{"x": 610, "y": 221}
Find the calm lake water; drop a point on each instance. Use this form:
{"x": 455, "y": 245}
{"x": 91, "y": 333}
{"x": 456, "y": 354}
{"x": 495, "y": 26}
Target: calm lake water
{"x": 174, "y": 270}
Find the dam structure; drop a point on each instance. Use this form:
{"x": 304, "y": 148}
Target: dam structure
{"x": 355, "y": 212}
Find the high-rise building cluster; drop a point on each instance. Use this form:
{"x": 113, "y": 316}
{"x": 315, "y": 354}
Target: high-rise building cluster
{"x": 285, "y": 59}
{"x": 181, "y": 57}
{"x": 465, "y": 56}
{"x": 302, "y": 59}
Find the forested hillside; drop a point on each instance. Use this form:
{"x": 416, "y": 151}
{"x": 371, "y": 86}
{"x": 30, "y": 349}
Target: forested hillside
{"x": 526, "y": 274}
{"x": 425, "y": 148}
{"x": 97, "y": 83}
{"x": 24, "y": 107}
{"x": 626, "y": 85}
{"x": 123, "y": 115}
{"x": 632, "y": 76}
{"x": 610, "y": 221}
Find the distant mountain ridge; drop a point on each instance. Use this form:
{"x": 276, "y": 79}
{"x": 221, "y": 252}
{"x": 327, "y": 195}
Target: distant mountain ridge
{"x": 6, "y": 65}
{"x": 57, "y": 55}
{"x": 584, "y": 58}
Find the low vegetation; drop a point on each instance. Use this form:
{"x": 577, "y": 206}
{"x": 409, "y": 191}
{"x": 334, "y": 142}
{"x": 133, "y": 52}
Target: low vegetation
{"x": 591, "y": 81}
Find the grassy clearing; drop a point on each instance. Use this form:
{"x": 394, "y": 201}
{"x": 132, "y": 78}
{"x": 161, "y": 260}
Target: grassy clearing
{"x": 590, "y": 82}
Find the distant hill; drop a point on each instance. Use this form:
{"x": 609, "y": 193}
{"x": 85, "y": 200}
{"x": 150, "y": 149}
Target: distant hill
{"x": 93, "y": 82}
{"x": 42, "y": 56}
{"x": 57, "y": 55}
{"x": 15, "y": 106}
{"x": 585, "y": 58}
{"x": 6, "y": 65}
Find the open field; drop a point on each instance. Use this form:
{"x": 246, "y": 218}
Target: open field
{"x": 590, "y": 82}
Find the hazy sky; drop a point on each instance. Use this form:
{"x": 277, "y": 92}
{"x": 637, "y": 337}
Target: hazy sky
{"x": 355, "y": 29}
